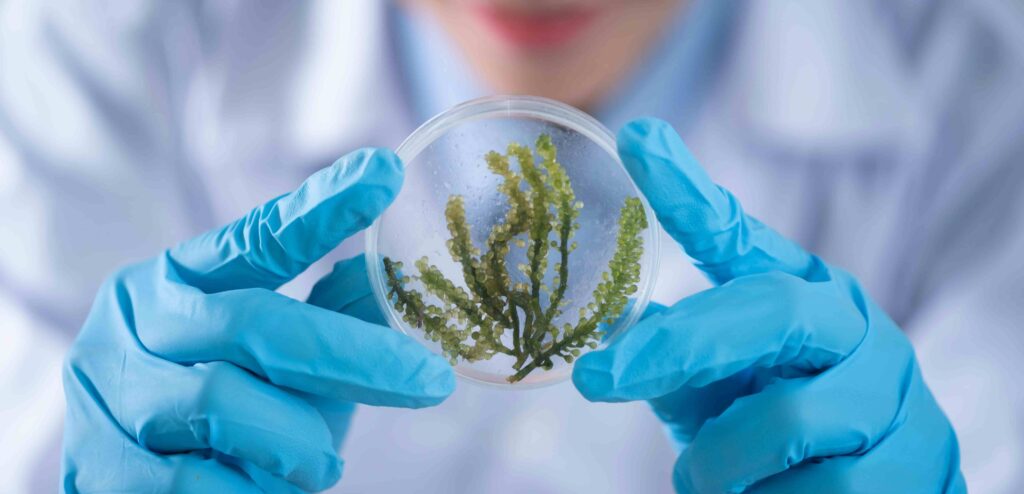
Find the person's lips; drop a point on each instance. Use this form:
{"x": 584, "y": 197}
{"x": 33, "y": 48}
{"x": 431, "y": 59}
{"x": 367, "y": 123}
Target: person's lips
{"x": 535, "y": 29}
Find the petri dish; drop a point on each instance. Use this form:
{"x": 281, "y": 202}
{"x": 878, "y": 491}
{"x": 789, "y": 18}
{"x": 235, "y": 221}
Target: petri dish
{"x": 449, "y": 156}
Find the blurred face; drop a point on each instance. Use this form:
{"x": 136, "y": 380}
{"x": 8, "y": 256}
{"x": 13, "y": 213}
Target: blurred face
{"x": 571, "y": 50}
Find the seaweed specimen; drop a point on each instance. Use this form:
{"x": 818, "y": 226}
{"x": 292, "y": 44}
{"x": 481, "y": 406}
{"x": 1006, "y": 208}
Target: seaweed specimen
{"x": 490, "y": 313}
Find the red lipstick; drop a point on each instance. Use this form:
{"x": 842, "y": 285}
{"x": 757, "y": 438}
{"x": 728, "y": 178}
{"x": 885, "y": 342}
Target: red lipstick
{"x": 535, "y": 29}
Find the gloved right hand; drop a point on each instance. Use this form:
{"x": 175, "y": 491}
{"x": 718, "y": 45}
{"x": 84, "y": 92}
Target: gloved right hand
{"x": 785, "y": 377}
{"x": 192, "y": 375}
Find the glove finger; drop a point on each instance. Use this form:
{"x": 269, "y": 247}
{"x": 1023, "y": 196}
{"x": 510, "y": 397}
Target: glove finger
{"x": 292, "y": 344}
{"x": 98, "y": 456}
{"x": 347, "y": 290}
{"x": 880, "y": 391}
{"x": 765, "y": 433}
{"x": 266, "y": 481}
{"x": 916, "y": 456}
{"x": 870, "y": 400}
{"x": 685, "y": 410}
{"x": 852, "y": 474}
{"x": 771, "y": 320}
{"x": 221, "y": 407}
{"x": 280, "y": 239}
{"x": 194, "y": 474}
{"x": 704, "y": 218}
{"x": 337, "y": 414}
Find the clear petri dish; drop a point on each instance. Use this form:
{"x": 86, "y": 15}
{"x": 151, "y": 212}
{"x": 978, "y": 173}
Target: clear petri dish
{"x": 446, "y": 157}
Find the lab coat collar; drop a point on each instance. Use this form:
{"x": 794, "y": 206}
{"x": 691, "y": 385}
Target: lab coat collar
{"x": 670, "y": 82}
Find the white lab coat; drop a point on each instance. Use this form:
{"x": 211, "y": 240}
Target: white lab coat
{"x": 885, "y": 136}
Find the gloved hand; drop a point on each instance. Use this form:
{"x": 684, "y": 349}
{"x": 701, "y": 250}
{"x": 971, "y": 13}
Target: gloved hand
{"x": 785, "y": 377}
{"x": 191, "y": 375}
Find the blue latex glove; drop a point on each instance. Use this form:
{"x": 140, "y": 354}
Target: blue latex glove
{"x": 785, "y": 377}
{"x": 192, "y": 375}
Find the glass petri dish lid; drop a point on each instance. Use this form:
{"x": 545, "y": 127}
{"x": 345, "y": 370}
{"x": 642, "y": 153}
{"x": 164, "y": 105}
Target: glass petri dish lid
{"x": 517, "y": 243}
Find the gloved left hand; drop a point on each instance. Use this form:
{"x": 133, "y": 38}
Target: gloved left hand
{"x": 786, "y": 377}
{"x": 192, "y": 375}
